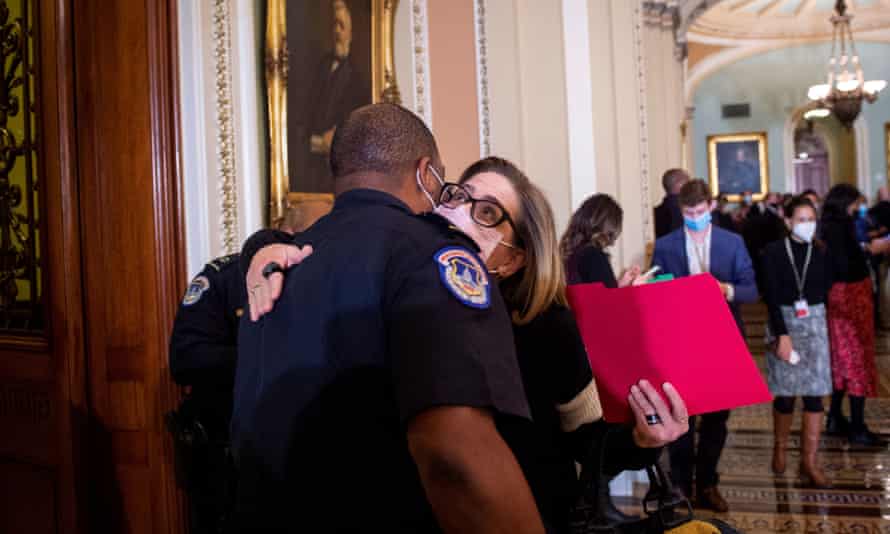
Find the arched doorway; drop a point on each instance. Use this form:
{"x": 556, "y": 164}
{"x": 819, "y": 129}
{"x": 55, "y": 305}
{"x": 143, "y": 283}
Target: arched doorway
{"x": 810, "y": 159}
{"x": 847, "y": 150}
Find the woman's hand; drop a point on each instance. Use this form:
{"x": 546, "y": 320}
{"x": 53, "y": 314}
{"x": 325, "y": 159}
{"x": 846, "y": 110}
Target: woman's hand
{"x": 262, "y": 292}
{"x": 784, "y": 348}
{"x": 878, "y": 246}
{"x": 629, "y": 276}
{"x": 656, "y": 424}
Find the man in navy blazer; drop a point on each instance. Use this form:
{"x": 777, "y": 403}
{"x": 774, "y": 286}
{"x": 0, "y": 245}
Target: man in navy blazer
{"x": 700, "y": 247}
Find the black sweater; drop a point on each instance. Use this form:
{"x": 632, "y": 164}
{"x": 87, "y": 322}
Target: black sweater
{"x": 846, "y": 256}
{"x": 554, "y": 368}
{"x": 781, "y": 286}
{"x": 590, "y": 264}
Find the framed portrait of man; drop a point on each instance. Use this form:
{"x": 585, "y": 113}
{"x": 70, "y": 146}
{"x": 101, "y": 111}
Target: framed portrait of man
{"x": 738, "y": 163}
{"x": 324, "y": 59}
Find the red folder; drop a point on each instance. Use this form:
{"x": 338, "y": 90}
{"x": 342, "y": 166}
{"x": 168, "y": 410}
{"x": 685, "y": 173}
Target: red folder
{"x": 680, "y": 332}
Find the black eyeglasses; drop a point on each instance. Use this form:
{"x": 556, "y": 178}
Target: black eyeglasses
{"x": 485, "y": 212}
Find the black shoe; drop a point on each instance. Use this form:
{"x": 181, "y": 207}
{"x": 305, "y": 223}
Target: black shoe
{"x": 614, "y": 515}
{"x": 866, "y": 438}
{"x": 610, "y": 513}
{"x": 837, "y": 425}
{"x": 711, "y": 499}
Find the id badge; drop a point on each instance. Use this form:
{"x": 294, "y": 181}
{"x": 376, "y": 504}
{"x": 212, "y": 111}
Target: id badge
{"x": 801, "y": 309}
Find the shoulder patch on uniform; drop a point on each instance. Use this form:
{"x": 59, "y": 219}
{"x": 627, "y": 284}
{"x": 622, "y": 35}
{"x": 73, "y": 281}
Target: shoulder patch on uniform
{"x": 196, "y": 289}
{"x": 464, "y": 276}
{"x": 222, "y": 261}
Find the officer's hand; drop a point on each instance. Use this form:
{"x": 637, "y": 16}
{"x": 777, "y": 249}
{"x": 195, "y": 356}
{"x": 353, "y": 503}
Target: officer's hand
{"x": 669, "y": 424}
{"x": 262, "y": 292}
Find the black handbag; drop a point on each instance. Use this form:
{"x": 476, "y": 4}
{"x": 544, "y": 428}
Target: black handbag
{"x": 664, "y": 508}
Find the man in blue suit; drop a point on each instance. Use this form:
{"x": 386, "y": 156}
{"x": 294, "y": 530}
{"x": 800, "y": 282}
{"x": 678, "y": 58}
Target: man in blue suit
{"x": 700, "y": 247}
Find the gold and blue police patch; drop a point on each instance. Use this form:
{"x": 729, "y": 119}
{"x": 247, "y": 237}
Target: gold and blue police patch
{"x": 196, "y": 289}
{"x": 464, "y": 276}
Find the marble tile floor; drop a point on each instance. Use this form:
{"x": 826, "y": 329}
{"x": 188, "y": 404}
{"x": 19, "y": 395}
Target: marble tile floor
{"x": 760, "y": 502}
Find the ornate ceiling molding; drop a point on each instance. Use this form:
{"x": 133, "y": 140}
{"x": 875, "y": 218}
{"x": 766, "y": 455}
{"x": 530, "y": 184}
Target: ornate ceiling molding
{"x": 783, "y": 20}
{"x": 688, "y": 11}
{"x": 661, "y": 13}
{"x": 719, "y": 60}
{"x": 730, "y": 23}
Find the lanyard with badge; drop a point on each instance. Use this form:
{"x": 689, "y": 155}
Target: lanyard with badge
{"x": 801, "y": 307}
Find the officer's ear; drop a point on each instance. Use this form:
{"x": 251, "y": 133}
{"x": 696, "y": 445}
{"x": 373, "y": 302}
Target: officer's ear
{"x": 433, "y": 176}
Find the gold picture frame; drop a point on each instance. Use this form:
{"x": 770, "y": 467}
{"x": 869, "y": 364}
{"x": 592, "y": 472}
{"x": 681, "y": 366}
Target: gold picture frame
{"x": 737, "y": 163}
{"x": 384, "y": 88}
{"x": 887, "y": 150}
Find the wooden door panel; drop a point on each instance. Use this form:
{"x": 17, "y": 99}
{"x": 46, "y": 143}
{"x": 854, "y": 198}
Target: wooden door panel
{"x": 125, "y": 60}
{"x": 27, "y": 499}
{"x": 37, "y": 394}
{"x": 30, "y": 409}
{"x": 81, "y": 400}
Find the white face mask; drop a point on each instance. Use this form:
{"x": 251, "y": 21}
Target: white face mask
{"x": 486, "y": 238}
{"x": 426, "y": 193}
{"x": 805, "y": 231}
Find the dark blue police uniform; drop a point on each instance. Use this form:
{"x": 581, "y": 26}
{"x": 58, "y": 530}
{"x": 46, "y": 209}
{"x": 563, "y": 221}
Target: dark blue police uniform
{"x": 204, "y": 342}
{"x": 391, "y": 315}
{"x": 203, "y": 348}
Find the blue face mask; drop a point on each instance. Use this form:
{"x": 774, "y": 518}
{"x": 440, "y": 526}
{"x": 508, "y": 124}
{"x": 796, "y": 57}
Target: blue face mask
{"x": 699, "y": 223}
{"x": 863, "y": 210}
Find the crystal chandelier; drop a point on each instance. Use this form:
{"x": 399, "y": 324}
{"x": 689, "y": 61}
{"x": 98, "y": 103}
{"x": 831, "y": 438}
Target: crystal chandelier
{"x": 846, "y": 87}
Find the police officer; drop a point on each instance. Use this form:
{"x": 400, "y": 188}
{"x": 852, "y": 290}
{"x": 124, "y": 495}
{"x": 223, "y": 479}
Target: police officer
{"x": 366, "y": 399}
{"x": 203, "y": 348}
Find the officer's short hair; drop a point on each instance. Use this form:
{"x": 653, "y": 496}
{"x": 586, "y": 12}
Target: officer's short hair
{"x": 383, "y": 138}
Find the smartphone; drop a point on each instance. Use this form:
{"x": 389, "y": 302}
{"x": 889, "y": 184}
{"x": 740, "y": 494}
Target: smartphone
{"x": 651, "y": 272}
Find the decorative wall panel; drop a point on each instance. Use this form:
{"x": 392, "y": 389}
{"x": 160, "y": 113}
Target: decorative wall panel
{"x": 21, "y": 309}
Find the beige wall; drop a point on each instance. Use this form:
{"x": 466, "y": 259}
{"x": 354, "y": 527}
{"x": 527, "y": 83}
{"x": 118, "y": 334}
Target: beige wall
{"x": 452, "y": 61}
{"x": 567, "y": 101}
{"x": 665, "y": 105}
{"x": 634, "y": 118}
{"x": 528, "y": 95}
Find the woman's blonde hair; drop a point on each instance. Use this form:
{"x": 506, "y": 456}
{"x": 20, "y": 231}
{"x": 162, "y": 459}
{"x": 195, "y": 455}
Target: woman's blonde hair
{"x": 541, "y": 282}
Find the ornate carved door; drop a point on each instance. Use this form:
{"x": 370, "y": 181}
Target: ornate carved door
{"x": 90, "y": 265}
{"x": 43, "y": 403}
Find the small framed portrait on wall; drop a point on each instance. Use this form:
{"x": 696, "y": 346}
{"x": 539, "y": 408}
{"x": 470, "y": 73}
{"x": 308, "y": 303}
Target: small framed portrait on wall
{"x": 738, "y": 163}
